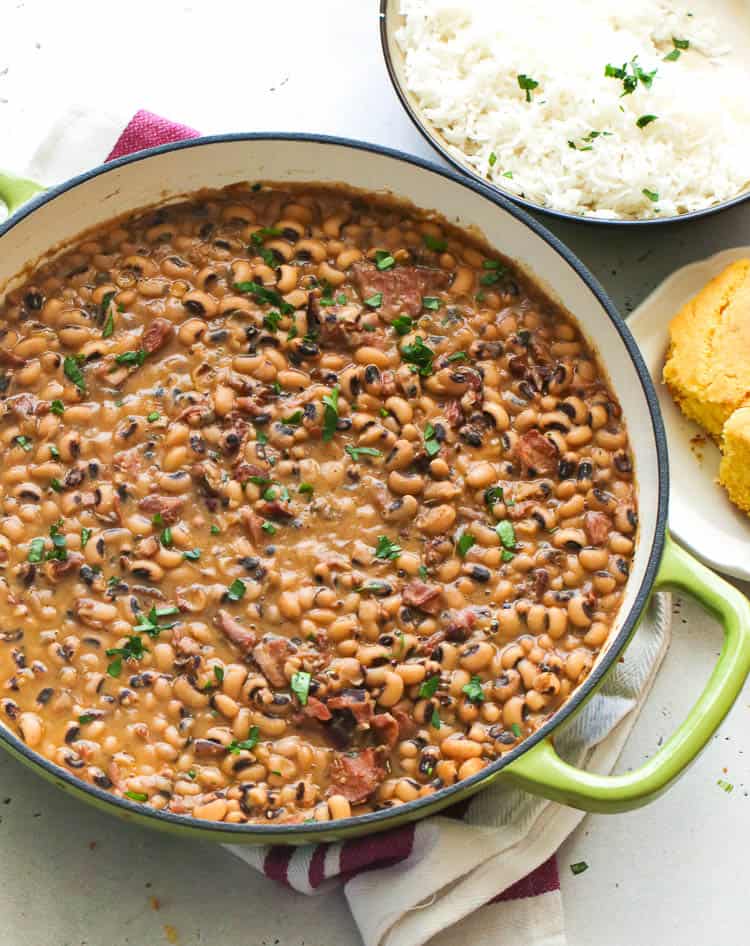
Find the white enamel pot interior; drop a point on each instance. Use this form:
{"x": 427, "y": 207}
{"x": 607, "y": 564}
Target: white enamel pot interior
{"x": 150, "y": 177}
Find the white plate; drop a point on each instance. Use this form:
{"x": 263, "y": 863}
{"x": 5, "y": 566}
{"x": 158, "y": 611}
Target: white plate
{"x": 700, "y": 514}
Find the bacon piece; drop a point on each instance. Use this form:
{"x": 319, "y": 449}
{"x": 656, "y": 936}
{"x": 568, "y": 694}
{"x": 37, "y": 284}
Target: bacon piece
{"x": 597, "y": 526}
{"x": 156, "y": 335}
{"x": 240, "y": 636}
{"x": 460, "y": 625}
{"x": 454, "y": 413}
{"x": 271, "y": 655}
{"x": 356, "y": 776}
{"x": 11, "y": 359}
{"x": 253, "y": 524}
{"x": 541, "y": 582}
{"x": 402, "y": 287}
{"x": 316, "y": 709}
{"x": 128, "y": 461}
{"x": 431, "y": 643}
{"x": 56, "y": 568}
{"x": 418, "y": 594}
{"x": 386, "y": 725}
{"x": 23, "y": 405}
{"x": 354, "y": 700}
{"x": 168, "y": 507}
{"x": 437, "y": 550}
{"x": 537, "y": 454}
{"x": 207, "y": 747}
{"x": 407, "y": 726}
{"x": 274, "y": 509}
{"x": 242, "y": 471}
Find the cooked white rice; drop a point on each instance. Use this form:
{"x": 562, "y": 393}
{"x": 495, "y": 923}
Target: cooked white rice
{"x": 463, "y": 59}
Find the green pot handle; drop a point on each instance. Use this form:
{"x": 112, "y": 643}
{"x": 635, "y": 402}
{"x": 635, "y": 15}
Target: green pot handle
{"x": 543, "y": 772}
{"x": 15, "y": 191}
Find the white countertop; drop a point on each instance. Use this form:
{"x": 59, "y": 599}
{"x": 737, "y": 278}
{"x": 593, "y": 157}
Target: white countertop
{"x": 673, "y": 873}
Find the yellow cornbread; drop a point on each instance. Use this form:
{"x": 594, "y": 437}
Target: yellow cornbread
{"x": 734, "y": 470}
{"x": 708, "y": 362}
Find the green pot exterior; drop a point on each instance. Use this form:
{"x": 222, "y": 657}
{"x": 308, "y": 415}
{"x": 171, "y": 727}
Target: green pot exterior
{"x": 15, "y": 191}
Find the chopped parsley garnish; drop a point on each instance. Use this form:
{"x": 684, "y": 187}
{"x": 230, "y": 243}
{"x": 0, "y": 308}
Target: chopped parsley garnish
{"x": 330, "y": 414}
{"x": 493, "y": 494}
{"x": 108, "y": 315}
{"x": 646, "y": 120}
{"x": 402, "y": 324}
{"x": 420, "y": 355}
{"x": 259, "y": 236}
{"x": 305, "y": 488}
{"x": 136, "y": 796}
{"x": 85, "y": 536}
{"x": 153, "y": 417}
{"x": 86, "y": 718}
{"x": 219, "y": 674}
{"x": 131, "y": 358}
{"x": 507, "y": 534}
{"x": 293, "y": 420}
{"x": 422, "y": 572}
{"x": 527, "y": 85}
{"x": 431, "y": 302}
{"x": 508, "y": 174}
{"x": 59, "y": 548}
{"x": 516, "y": 730}
{"x": 54, "y": 452}
{"x": 250, "y": 743}
{"x": 473, "y": 690}
{"x": 458, "y": 356}
{"x": 356, "y": 452}
{"x": 215, "y": 530}
{"x": 464, "y": 544}
{"x": 630, "y": 79}
{"x": 166, "y": 538}
{"x": 492, "y": 160}
{"x": 36, "y": 551}
{"x": 23, "y": 442}
{"x": 268, "y": 257}
{"x": 375, "y": 300}
{"x": 436, "y": 244}
{"x": 157, "y": 519}
{"x": 300, "y": 686}
{"x": 653, "y": 196}
{"x": 149, "y": 623}
{"x": 724, "y": 785}
{"x": 384, "y": 260}
{"x": 431, "y": 444}
{"x": 55, "y": 484}
{"x": 679, "y": 46}
{"x": 579, "y": 867}
{"x": 271, "y": 321}
{"x": 261, "y": 437}
{"x": 133, "y": 650}
{"x": 267, "y": 296}
{"x": 435, "y": 721}
{"x": 270, "y": 528}
{"x": 72, "y": 371}
{"x": 386, "y": 549}
{"x": 57, "y": 407}
{"x": 236, "y": 591}
{"x": 192, "y": 555}
{"x": 429, "y": 687}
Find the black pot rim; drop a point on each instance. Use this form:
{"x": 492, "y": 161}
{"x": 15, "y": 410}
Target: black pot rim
{"x": 437, "y": 145}
{"x": 378, "y": 820}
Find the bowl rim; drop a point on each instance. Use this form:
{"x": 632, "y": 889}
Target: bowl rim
{"x": 379, "y": 820}
{"x": 431, "y": 137}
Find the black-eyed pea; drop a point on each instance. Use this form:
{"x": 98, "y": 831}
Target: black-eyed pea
{"x": 459, "y": 748}
{"x": 471, "y": 767}
{"x": 509, "y": 621}
{"x": 407, "y": 789}
{"x": 593, "y": 559}
{"x": 528, "y": 671}
{"x": 393, "y": 689}
{"x": 579, "y": 611}
{"x": 339, "y": 807}
{"x": 242, "y": 722}
{"x": 577, "y": 665}
{"x": 597, "y": 634}
{"x": 513, "y": 711}
{"x": 211, "y": 810}
{"x": 481, "y": 475}
{"x": 405, "y": 484}
{"x": 270, "y": 726}
{"x": 188, "y": 695}
{"x": 438, "y": 520}
{"x": 476, "y": 655}
{"x": 411, "y": 673}
{"x": 547, "y": 683}
{"x": 558, "y": 622}
{"x": 401, "y": 509}
{"x": 447, "y": 771}
{"x": 459, "y": 679}
{"x": 31, "y": 728}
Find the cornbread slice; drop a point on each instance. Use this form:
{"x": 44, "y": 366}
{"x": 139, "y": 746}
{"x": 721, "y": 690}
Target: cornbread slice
{"x": 734, "y": 469}
{"x": 708, "y": 362}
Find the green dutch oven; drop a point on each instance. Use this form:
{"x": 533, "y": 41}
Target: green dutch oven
{"x": 43, "y": 219}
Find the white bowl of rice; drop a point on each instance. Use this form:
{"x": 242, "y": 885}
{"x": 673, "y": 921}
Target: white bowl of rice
{"x": 604, "y": 112}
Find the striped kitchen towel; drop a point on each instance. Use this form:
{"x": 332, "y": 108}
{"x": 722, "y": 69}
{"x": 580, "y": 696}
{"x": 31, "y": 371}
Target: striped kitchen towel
{"x": 484, "y": 874}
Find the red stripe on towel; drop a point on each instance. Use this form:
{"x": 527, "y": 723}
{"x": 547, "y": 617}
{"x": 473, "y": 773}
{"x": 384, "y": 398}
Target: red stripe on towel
{"x": 146, "y": 130}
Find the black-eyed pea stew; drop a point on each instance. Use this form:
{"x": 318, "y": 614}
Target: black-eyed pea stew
{"x": 311, "y": 506}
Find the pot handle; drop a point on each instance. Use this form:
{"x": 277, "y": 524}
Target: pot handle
{"x": 543, "y": 772}
{"x": 15, "y": 191}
